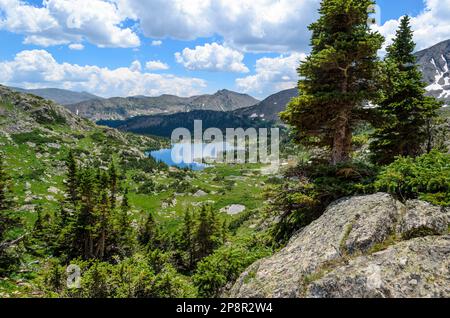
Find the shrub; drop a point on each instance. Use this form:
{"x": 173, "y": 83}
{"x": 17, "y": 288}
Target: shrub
{"x": 309, "y": 189}
{"x": 223, "y": 266}
{"x": 426, "y": 177}
{"x": 35, "y": 137}
{"x": 147, "y": 187}
{"x": 132, "y": 277}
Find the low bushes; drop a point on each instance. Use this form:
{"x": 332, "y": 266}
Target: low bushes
{"x": 426, "y": 177}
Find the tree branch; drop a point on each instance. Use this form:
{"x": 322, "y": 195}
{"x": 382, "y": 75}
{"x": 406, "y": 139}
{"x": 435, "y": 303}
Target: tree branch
{"x": 8, "y": 244}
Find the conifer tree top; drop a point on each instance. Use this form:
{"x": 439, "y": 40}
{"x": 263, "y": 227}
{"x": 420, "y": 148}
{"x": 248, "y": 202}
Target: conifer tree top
{"x": 401, "y": 50}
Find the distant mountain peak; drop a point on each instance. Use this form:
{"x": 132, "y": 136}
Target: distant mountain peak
{"x": 225, "y": 91}
{"x": 270, "y": 107}
{"x": 434, "y": 63}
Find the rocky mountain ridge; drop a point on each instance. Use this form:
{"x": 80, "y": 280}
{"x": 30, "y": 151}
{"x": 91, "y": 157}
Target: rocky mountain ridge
{"x": 434, "y": 63}
{"x": 119, "y": 108}
{"x": 59, "y": 96}
{"x": 270, "y": 107}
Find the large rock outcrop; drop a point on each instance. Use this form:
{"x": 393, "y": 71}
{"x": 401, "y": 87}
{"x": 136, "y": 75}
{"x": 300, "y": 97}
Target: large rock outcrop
{"x": 414, "y": 268}
{"x": 368, "y": 246}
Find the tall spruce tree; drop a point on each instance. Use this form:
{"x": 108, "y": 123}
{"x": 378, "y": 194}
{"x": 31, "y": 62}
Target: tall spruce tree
{"x": 113, "y": 178}
{"x": 404, "y": 108}
{"x": 207, "y": 234}
{"x": 104, "y": 225}
{"x": 86, "y": 216}
{"x": 124, "y": 228}
{"x": 149, "y": 233}
{"x": 71, "y": 183}
{"x": 7, "y": 223}
{"x": 6, "y": 220}
{"x": 337, "y": 78}
{"x": 187, "y": 237}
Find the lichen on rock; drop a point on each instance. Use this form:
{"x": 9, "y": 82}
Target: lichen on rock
{"x": 342, "y": 247}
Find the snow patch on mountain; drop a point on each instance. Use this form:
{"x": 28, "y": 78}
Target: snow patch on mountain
{"x": 434, "y": 63}
{"x": 440, "y": 88}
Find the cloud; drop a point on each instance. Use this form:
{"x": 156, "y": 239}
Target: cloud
{"x": 65, "y": 21}
{"x": 431, "y": 26}
{"x": 156, "y": 43}
{"x": 156, "y": 66}
{"x": 135, "y": 66}
{"x": 212, "y": 57}
{"x": 39, "y": 69}
{"x": 76, "y": 46}
{"x": 247, "y": 25}
{"x": 272, "y": 75}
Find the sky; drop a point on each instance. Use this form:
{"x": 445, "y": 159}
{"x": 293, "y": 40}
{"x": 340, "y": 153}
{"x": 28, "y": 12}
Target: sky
{"x": 180, "y": 47}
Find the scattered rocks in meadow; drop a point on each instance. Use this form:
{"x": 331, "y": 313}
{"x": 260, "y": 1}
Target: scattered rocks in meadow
{"x": 200, "y": 193}
{"x": 53, "y": 190}
{"x": 233, "y": 209}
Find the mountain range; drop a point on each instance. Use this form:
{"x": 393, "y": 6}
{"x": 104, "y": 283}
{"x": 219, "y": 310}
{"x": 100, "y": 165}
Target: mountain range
{"x": 59, "y": 96}
{"x": 263, "y": 114}
{"x": 123, "y": 108}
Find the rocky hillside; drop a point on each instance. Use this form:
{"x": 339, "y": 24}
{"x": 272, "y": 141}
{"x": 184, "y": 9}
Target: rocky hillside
{"x": 35, "y": 136}
{"x": 22, "y": 113}
{"x": 59, "y": 96}
{"x": 123, "y": 108}
{"x": 368, "y": 246}
{"x": 269, "y": 108}
{"x": 434, "y": 63}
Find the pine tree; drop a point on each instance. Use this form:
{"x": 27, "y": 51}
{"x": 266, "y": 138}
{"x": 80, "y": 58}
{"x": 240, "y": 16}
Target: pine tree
{"x": 113, "y": 184}
{"x": 124, "y": 229}
{"x": 337, "y": 78}
{"x": 224, "y": 232}
{"x": 104, "y": 225}
{"x": 404, "y": 108}
{"x": 149, "y": 233}
{"x": 207, "y": 234}
{"x": 124, "y": 221}
{"x": 71, "y": 182}
{"x": 86, "y": 216}
{"x": 187, "y": 238}
{"x": 39, "y": 223}
{"x": 8, "y": 222}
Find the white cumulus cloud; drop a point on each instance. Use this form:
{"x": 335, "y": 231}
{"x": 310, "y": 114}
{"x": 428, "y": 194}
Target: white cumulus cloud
{"x": 66, "y": 21}
{"x": 156, "y": 66}
{"x": 248, "y": 25}
{"x": 39, "y": 69}
{"x": 76, "y": 46}
{"x": 430, "y": 26}
{"x": 212, "y": 57}
{"x": 136, "y": 66}
{"x": 272, "y": 75}
{"x": 157, "y": 43}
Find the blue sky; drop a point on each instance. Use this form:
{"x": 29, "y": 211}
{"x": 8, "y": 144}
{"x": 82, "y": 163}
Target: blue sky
{"x": 103, "y": 46}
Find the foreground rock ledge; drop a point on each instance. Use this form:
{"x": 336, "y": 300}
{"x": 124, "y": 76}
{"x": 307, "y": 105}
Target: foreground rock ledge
{"x": 368, "y": 246}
